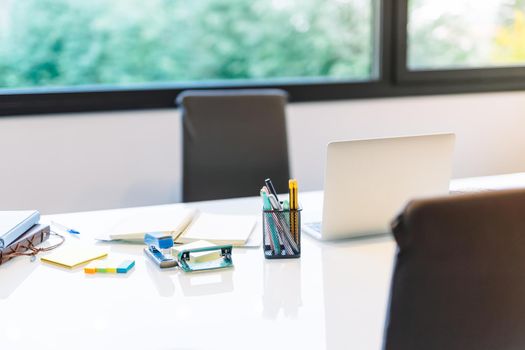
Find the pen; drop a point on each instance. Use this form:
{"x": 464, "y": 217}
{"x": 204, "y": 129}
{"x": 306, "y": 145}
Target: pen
{"x": 283, "y": 227}
{"x": 276, "y": 245}
{"x": 275, "y": 203}
{"x": 273, "y": 193}
{"x": 271, "y": 189}
{"x": 284, "y": 233}
{"x": 64, "y": 228}
{"x": 267, "y": 236}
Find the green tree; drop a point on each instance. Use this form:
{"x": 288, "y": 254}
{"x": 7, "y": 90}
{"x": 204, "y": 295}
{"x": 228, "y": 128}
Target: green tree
{"x": 71, "y": 43}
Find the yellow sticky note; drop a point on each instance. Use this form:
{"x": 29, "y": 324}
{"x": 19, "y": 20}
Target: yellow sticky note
{"x": 200, "y": 256}
{"x": 71, "y": 256}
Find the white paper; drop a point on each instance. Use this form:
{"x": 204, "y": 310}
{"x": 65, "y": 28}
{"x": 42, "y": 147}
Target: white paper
{"x": 220, "y": 229}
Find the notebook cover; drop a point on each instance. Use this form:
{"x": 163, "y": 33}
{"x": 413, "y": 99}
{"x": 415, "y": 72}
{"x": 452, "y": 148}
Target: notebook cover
{"x": 14, "y": 223}
{"x": 36, "y": 235}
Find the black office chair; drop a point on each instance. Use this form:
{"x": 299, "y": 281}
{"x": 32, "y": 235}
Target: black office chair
{"x": 233, "y": 140}
{"x": 459, "y": 279}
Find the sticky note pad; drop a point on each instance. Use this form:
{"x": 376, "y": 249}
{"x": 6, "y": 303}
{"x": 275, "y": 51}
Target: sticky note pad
{"x": 90, "y": 269}
{"x": 125, "y": 266}
{"x": 96, "y": 266}
{"x": 74, "y": 255}
{"x": 109, "y": 266}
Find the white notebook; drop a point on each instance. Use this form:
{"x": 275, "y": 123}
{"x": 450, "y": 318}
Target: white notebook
{"x": 219, "y": 229}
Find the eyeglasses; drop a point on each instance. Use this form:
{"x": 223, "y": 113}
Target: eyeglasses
{"x": 32, "y": 251}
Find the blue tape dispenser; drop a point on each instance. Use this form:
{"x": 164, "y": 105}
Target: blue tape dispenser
{"x": 158, "y": 248}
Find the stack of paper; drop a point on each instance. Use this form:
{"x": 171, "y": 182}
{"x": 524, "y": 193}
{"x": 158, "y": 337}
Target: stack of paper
{"x": 133, "y": 227}
{"x": 219, "y": 229}
{"x": 185, "y": 225}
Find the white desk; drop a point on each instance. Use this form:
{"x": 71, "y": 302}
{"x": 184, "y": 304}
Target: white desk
{"x": 333, "y": 297}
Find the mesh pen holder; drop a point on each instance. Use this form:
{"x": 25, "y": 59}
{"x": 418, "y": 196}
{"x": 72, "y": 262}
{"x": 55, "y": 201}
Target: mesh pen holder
{"x": 282, "y": 234}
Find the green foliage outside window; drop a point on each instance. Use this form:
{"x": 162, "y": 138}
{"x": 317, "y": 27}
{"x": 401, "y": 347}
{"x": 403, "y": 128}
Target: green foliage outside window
{"x": 465, "y": 33}
{"x": 69, "y": 43}
{"x": 46, "y": 43}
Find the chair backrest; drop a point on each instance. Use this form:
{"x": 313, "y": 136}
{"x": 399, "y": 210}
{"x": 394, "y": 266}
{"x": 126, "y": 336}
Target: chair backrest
{"x": 459, "y": 279}
{"x": 233, "y": 140}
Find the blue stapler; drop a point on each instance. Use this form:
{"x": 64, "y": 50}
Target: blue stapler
{"x": 158, "y": 248}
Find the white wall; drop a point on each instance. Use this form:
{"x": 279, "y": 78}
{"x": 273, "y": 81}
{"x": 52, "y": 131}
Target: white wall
{"x": 59, "y": 163}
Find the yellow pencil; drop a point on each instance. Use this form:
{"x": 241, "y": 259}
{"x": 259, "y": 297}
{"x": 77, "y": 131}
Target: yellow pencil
{"x": 294, "y": 205}
{"x": 291, "y": 199}
{"x": 295, "y": 194}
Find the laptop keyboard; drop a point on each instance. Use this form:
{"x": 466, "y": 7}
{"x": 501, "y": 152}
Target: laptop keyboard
{"x": 316, "y": 226}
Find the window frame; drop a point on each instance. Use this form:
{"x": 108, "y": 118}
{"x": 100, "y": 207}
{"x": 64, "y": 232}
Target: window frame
{"x": 393, "y": 79}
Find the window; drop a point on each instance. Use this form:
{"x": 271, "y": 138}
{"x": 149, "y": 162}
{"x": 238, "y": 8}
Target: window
{"x": 465, "y": 41}
{"x": 465, "y": 34}
{"x": 71, "y": 55}
{"x": 136, "y": 43}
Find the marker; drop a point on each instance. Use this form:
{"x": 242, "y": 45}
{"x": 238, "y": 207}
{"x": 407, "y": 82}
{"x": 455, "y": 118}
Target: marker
{"x": 274, "y": 235}
{"x": 267, "y": 235}
{"x": 272, "y": 193}
{"x": 266, "y": 200}
{"x": 272, "y": 190}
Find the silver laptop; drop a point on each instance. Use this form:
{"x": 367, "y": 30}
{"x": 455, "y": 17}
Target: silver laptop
{"x": 367, "y": 182}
